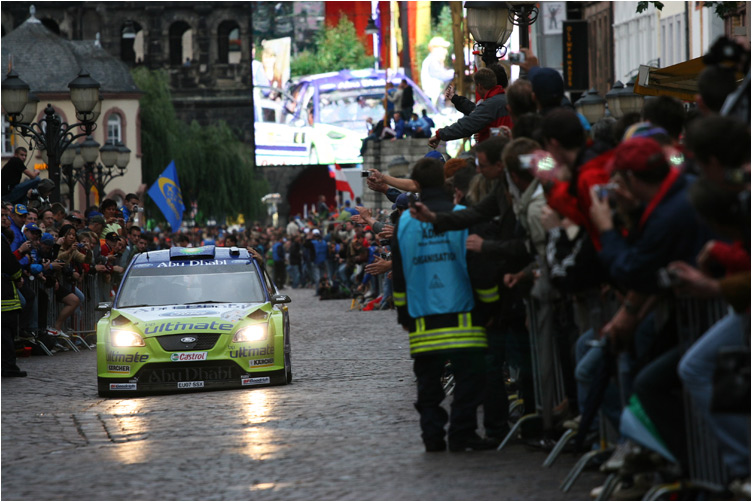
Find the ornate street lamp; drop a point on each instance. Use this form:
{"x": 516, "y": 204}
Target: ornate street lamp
{"x": 80, "y": 165}
{"x": 591, "y": 105}
{"x": 489, "y": 24}
{"x": 612, "y": 98}
{"x": 371, "y": 28}
{"x": 51, "y": 134}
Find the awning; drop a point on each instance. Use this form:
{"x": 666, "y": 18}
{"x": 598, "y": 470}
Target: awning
{"x": 679, "y": 80}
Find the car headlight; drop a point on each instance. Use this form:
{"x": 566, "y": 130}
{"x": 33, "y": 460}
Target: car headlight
{"x": 252, "y": 333}
{"x": 122, "y": 338}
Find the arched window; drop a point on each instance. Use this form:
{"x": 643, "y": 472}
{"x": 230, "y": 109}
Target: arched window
{"x": 228, "y": 42}
{"x": 181, "y": 43}
{"x": 114, "y": 128}
{"x": 131, "y": 42}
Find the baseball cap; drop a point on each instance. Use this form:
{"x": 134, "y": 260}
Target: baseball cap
{"x": 642, "y": 130}
{"x": 48, "y": 239}
{"x": 20, "y": 209}
{"x": 438, "y": 42}
{"x": 33, "y": 227}
{"x": 316, "y": 231}
{"x": 111, "y": 236}
{"x": 546, "y": 82}
{"x": 433, "y": 154}
{"x": 638, "y": 155}
{"x": 402, "y": 202}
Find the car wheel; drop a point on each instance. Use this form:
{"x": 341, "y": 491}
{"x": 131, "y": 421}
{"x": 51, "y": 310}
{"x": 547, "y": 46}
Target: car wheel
{"x": 288, "y": 369}
{"x": 313, "y": 157}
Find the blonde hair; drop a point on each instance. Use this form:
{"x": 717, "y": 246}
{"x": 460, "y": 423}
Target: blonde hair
{"x": 479, "y": 188}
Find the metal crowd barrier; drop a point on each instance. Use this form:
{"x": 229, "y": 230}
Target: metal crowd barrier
{"x": 83, "y": 322}
{"x": 694, "y": 317}
{"x": 548, "y": 380}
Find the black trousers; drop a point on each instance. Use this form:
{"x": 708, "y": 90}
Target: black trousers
{"x": 659, "y": 389}
{"x": 8, "y": 331}
{"x": 469, "y": 371}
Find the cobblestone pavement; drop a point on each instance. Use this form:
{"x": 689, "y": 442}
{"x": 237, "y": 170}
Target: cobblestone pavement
{"x": 345, "y": 429}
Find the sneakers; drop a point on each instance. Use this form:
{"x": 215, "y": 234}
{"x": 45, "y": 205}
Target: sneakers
{"x": 616, "y": 461}
{"x": 472, "y": 443}
{"x": 572, "y": 423}
{"x": 57, "y": 333}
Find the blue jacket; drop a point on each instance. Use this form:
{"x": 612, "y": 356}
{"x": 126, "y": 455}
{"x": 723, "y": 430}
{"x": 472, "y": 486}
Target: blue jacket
{"x": 671, "y": 232}
{"x": 321, "y": 251}
{"x": 278, "y": 252}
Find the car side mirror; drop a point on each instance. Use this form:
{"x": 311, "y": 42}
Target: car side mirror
{"x": 104, "y": 306}
{"x": 277, "y": 299}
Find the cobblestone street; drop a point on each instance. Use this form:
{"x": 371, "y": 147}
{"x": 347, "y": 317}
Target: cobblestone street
{"x": 345, "y": 429}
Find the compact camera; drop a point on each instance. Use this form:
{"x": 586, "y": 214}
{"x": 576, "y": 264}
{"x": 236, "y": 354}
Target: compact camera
{"x": 668, "y": 279}
{"x": 137, "y": 209}
{"x": 516, "y": 57}
{"x": 603, "y": 190}
{"x": 365, "y": 174}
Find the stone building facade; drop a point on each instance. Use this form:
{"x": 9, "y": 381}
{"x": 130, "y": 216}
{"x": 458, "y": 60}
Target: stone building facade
{"x": 204, "y": 47}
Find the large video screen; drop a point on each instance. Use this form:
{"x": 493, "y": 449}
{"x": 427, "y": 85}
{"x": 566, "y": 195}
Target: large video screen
{"x": 321, "y": 119}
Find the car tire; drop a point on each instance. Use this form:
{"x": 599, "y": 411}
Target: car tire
{"x": 313, "y": 157}
{"x": 288, "y": 369}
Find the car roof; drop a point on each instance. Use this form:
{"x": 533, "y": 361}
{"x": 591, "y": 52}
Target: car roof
{"x": 179, "y": 254}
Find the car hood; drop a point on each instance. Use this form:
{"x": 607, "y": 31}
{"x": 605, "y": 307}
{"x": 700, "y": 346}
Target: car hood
{"x": 210, "y": 317}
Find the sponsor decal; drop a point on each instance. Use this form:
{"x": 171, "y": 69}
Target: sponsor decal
{"x": 117, "y": 357}
{"x": 261, "y": 362}
{"x": 244, "y": 352}
{"x": 200, "y": 313}
{"x": 169, "y": 327}
{"x": 233, "y": 315}
{"x": 191, "y": 263}
{"x": 188, "y": 339}
{"x": 169, "y": 375}
{"x": 254, "y": 381}
{"x": 190, "y": 385}
{"x": 122, "y": 386}
{"x": 118, "y": 368}
{"x": 189, "y": 356}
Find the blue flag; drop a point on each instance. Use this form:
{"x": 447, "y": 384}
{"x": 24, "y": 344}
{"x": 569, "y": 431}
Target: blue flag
{"x": 165, "y": 192}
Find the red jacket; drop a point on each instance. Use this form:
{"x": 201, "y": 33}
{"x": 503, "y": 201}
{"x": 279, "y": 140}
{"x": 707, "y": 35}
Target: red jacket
{"x": 577, "y": 208}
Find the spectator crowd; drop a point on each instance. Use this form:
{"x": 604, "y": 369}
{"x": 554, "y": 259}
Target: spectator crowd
{"x": 584, "y": 238}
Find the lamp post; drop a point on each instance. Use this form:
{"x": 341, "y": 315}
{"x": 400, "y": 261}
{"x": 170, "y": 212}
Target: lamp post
{"x": 591, "y": 105}
{"x": 51, "y": 134}
{"x": 81, "y": 167}
{"x": 491, "y": 24}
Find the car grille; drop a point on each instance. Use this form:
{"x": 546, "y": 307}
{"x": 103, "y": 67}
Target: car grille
{"x": 165, "y": 373}
{"x": 173, "y": 343}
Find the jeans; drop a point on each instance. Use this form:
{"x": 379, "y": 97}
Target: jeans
{"x": 294, "y": 272}
{"x": 590, "y": 360}
{"x": 696, "y": 371}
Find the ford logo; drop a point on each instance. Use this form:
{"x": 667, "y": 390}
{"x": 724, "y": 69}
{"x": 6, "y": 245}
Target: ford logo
{"x": 188, "y": 339}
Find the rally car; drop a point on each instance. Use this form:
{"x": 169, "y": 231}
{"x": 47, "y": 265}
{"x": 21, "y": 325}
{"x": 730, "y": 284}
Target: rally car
{"x": 193, "y": 319}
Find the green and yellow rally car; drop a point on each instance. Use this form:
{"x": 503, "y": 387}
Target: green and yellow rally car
{"x": 193, "y": 318}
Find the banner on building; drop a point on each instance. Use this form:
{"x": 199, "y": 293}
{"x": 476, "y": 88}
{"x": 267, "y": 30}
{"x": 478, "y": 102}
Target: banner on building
{"x": 554, "y": 14}
{"x": 575, "y": 46}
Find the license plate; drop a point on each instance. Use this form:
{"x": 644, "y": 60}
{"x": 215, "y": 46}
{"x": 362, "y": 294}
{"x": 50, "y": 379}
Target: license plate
{"x": 190, "y": 385}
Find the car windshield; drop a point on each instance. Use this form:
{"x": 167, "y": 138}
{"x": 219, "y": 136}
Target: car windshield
{"x": 152, "y": 286}
{"x": 350, "y": 108}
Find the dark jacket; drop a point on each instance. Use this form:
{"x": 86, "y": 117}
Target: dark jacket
{"x": 671, "y": 232}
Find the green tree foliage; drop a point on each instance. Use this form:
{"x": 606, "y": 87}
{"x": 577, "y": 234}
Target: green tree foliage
{"x": 336, "y": 48}
{"x": 215, "y": 169}
{"x": 441, "y": 28}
